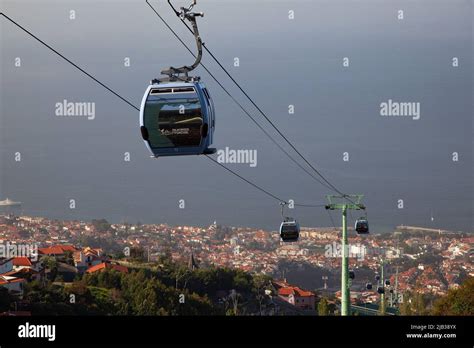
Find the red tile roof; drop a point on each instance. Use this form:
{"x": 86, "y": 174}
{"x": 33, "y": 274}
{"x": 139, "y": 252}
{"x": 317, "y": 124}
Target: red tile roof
{"x": 21, "y": 261}
{"x": 294, "y": 290}
{"x": 56, "y": 249}
{"x": 107, "y": 265}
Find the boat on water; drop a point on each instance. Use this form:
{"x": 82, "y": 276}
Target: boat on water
{"x": 9, "y": 203}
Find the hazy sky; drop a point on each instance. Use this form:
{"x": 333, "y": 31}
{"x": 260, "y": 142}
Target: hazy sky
{"x": 282, "y": 62}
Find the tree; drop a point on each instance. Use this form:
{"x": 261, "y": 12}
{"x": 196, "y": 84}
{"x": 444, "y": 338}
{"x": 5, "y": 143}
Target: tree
{"x": 457, "y": 301}
{"x": 323, "y": 307}
{"x": 50, "y": 264}
{"x": 69, "y": 257}
{"x": 138, "y": 254}
{"x": 101, "y": 225}
{"x": 419, "y": 304}
{"x": 414, "y": 303}
{"x": 232, "y": 303}
{"x": 181, "y": 273}
{"x": 260, "y": 284}
{"x": 405, "y": 308}
{"x": 5, "y": 299}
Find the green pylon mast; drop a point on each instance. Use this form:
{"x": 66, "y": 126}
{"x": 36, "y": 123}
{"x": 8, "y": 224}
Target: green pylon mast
{"x": 344, "y": 206}
{"x": 382, "y": 295}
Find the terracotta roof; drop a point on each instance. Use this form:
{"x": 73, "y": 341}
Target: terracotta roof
{"x": 68, "y": 247}
{"x": 107, "y": 265}
{"x": 294, "y": 290}
{"x": 93, "y": 251}
{"x": 21, "y": 261}
{"x": 56, "y": 249}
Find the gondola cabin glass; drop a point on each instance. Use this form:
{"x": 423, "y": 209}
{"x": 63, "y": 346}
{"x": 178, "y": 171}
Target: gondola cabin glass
{"x": 362, "y": 226}
{"x": 177, "y": 119}
{"x": 289, "y": 231}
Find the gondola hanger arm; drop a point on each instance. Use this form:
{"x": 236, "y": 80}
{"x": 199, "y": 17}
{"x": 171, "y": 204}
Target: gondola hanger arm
{"x": 186, "y": 13}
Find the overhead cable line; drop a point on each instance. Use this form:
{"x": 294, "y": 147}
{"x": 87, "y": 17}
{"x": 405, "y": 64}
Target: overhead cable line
{"x": 135, "y": 107}
{"x": 249, "y": 98}
{"x": 70, "y": 62}
{"x": 236, "y": 101}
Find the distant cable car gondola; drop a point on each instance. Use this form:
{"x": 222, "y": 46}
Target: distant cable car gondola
{"x": 362, "y": 226}
{"x": 289, "y": 230}
{"x": 177, "y": 115}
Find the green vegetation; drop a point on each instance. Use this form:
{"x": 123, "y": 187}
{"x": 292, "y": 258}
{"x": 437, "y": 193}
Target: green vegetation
{"x": 101, "y": 225}
{"x": 5, "y": 299}
{"x": 323, "y": 307}
{"x": 458, "y": 301}
{"x": 163, "y": 288}
{"x": 414, "y": 303}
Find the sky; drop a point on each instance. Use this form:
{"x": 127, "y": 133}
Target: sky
{"x": 282, "y": 62}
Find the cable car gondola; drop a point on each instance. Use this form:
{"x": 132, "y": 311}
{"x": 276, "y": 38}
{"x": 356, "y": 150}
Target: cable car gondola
{"x": 362, "y": 226}
{"x": 177, "y": 118}
{"x": 177, "y": 115}
{"x": 289, "y": 230}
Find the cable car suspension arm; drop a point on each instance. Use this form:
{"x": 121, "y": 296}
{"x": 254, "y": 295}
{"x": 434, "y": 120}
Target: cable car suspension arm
{"x": 186, "y": 13}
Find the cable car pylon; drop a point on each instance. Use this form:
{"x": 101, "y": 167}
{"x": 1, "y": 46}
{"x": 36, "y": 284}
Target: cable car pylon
{"x": 343, "y": 205}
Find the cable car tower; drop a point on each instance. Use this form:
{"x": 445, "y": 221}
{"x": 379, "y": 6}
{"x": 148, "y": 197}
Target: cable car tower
{"x": 346, "y": 202}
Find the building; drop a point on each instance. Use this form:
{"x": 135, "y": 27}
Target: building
{"x": 107, "y": 265}
{"x": 25, "y": 262}
{"x": 296, "y": 296}
{"x": 88, "y": 257}
{"x": 6, "y": 265}
{"x": 57, "y": 250}
{"x": 23, "y": 267}
{"x": 14, "y": 285}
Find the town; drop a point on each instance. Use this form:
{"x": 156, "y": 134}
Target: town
{"x": 416, "y": 260}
